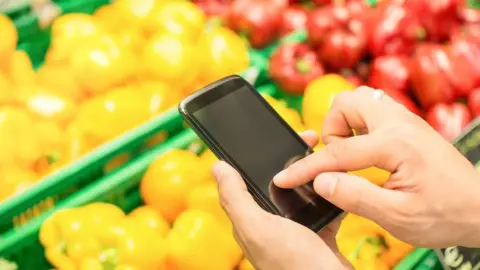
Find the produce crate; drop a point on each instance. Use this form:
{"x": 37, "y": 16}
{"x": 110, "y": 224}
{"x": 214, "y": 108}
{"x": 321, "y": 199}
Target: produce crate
{"x": 121, "y": 188}
{"x": 18, "y": 210}
{"x": 35, "y": 40}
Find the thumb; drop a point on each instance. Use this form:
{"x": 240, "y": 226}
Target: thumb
{"x": 357, "y": 195}
{"x": 234, "y": 197}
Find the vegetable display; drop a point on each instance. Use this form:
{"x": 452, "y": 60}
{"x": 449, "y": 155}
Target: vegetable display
{"x": 182, "y": 225}
{"x": 104, "y": 74}
{"x": 130, "y": 61}
{"x": 424, "y": 54}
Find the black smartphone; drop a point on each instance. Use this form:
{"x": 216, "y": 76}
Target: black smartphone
{"x": 241, "y": 128}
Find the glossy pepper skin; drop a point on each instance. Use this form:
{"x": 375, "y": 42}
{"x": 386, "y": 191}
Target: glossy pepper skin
{"x": 437, "y": 17}
{"x": 198, "y": 241}
{"x": 448, "y": 119}
{"x": 392, "y": 29}
{"x": 338, "y": 34}
{"x": 474, "y": 102}
{"x": 294, "y": 18}
{"x": 465, "y": 47}
{"x": 293, "y": 66}
{"x": 259, "y": 20}
{"x": 214, "y": 8}
{"x": 390, "y": 72}
{"x": 439, "y": 76}
{"x": 100, "y": 235}
{"x": 318, "y": 98}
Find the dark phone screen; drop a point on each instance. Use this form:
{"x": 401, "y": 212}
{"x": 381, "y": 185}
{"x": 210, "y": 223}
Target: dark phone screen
{"x": 260, "y": 146}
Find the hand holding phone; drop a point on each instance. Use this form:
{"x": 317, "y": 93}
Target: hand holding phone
{"x": 241, "y": 128}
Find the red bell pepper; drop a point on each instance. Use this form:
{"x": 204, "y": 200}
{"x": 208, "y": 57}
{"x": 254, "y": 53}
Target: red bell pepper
{"x": 466, "y": 48}
{"x": 293, "y": 66}
{"x": 352, "y": 77}
{"x": 449, "y": 119}
{"x": 438, "y": 17}
{"x": 474, "y": 102}
{"x": 403, "y": 99}
{"x": 438, "y": 76}
{"x": 322, "y": 2}
{"x": 390, "y": 72}
{"x": 214, "y": 8}
{"x": 293, "y": 18}
{"x": 259, "y": 20}
{"x": 393, "y": 29}
{"x": 338, "y": 36}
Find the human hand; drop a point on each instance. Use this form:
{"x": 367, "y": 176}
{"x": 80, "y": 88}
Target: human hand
{"x": 271, "y": 241}
{"x": 431, "y": 197}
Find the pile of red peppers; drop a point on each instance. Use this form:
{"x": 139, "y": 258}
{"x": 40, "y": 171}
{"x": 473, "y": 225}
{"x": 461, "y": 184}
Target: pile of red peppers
{"x": 424, "y": 53}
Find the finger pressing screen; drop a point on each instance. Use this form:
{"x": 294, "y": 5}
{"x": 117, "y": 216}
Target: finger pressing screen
{"x": 239, "y": 205}
{"x": 350, "y": 154}
{"x": 310, "y": 137}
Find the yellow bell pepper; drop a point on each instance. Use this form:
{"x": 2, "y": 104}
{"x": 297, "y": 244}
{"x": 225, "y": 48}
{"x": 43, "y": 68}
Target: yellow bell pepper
{"x": 318, "y": 98}
{"x": 245, "y": 265}
{"x": 289, "y": 115}
{"x": 197, "y": 241}
{"x": 223, "y": 53}
{"x": 170, "y": 178}
{"x": 206, "y": 198}
{"x": 368, "y": 246}
{"x": 99, "y": 236}
{"x": 397, "y": 250}
{"x": 374, "y": 175}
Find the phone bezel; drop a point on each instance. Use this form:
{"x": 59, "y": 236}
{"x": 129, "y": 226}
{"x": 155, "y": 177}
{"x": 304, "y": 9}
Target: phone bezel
{"x": 217, "y": 90}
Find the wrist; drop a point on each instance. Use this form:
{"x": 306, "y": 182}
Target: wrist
{"x": 471, "y": 216}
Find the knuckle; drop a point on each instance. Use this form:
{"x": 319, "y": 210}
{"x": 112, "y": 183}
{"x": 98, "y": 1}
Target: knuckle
{"x": 340, "y": 100}
{"x": 364, "y": 88}
{"x": 336, "y": 149}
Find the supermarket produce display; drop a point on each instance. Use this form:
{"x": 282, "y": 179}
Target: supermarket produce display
{"x": 97, "y": 169}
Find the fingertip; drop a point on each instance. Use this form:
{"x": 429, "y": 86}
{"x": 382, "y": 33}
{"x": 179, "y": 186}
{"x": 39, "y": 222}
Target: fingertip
{"x": 217, "y": 170}
{"x": 280, "y": 179}
{"x": 308, "y": 133}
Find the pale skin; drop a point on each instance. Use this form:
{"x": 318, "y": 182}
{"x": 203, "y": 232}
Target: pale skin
{"x": 430, "y": 200}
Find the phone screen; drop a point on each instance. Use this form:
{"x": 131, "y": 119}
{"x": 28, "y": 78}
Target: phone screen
{"x": 260, "y": 146}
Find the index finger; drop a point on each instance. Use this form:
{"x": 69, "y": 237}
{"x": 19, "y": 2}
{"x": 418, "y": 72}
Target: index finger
{"x": 349, "y": 154}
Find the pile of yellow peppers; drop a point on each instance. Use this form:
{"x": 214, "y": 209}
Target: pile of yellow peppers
{"x": 103, "y": 75}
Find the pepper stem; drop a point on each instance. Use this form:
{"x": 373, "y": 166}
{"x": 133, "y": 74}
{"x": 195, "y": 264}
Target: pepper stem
{"x": 378, "y": 242}
{"x": 109, "y": 259}
{"x": 53, "y": 157}
{"x": 303, "y": 66}
{"x": 214, "y": 21}
{"x": 420, "y": 33}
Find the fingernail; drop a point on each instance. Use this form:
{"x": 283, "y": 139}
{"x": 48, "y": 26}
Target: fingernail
{"x": 217, "y": 170}
{"x": 280, "y": 177}
{"x": 325, "y": 185}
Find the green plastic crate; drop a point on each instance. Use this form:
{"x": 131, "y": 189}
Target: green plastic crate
{"x": 21, "y": 245}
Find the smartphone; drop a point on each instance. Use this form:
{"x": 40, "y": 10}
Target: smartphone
{"x": 241, "y": 128}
